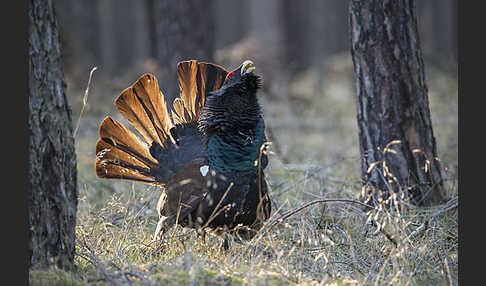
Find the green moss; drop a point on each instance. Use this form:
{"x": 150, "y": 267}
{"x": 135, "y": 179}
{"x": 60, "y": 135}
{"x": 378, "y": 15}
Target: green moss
{"x": 57, "y": 277}
{"x": 202, "y": 277}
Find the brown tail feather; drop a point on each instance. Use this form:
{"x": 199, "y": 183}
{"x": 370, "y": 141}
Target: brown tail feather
{"x": 121, "y": 155}
{"x": 187, "y": 76}
{"x": 113, "y": 131}
{"x": 179, "y": 113}
{"x": 145, "y": 108}
{"x": 109, "y": 150}
{"x": 195, "y": 80}
{"x": 114, "y": 163}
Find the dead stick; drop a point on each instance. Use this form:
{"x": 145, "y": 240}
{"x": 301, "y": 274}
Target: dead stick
{"x": 289, "y": 213}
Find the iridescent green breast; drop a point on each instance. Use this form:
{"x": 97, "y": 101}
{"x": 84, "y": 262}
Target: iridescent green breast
{"x": 238, "y": 151}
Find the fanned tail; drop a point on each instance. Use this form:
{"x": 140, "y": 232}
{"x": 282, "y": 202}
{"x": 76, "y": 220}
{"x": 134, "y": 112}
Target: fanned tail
{"x": 167, "y": 142}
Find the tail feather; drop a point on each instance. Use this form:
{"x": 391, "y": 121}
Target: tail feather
{"x": 179, "y": 113}
{"x": 110, "y": 151}
{"x": 113, "y": 163}
{"x": 195, "y": 80}
{"x": 144, "y": 107}
{"x": 147, "y": 89}
{"x": 113, "y": 131}
{"x": 120, "y": 154}
{"x": 187, "y": 76}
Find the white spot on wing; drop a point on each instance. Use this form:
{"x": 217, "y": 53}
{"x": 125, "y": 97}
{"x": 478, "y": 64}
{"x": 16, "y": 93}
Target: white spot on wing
{"x": 204, "y": 170}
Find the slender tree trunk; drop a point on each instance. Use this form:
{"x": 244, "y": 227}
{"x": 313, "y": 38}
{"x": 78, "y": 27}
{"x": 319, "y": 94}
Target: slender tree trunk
{"x": 78, "y": 25}
{"x": 438, "y": 29}
{"x": 52, "y": 194}
{"x": 296, "y": 54}
{"x": 231, "y": 24}
{"x": 392, "y": 103}
{"x": 184, "y": 30}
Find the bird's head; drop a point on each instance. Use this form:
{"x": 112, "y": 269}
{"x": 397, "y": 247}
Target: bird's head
{"x": 242, "y": 80}
{"x": 247, "y": 67}
{"x": 234, "y": 105}
{"x": 239, "y": 84}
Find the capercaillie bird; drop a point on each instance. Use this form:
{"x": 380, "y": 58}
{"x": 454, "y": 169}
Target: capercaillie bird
{"x": 207, "y": 152}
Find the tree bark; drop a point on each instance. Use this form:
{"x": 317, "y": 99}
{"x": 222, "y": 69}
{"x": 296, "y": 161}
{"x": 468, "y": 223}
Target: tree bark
{"x": 392, "y": 103}
{"x": 184, "y": 30}
{"x": 52, "y": 194}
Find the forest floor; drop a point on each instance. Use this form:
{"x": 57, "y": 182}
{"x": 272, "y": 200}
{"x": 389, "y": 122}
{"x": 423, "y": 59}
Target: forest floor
{"x": 316, "y": 156}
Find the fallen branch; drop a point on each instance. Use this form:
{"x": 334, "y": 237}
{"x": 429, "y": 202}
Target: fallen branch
{"x": 291, "y": 212}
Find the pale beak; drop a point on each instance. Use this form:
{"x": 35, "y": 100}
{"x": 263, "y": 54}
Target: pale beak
{"x": 247, "y": 67}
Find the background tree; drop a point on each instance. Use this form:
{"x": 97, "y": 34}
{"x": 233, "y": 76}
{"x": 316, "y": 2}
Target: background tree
{"x": 438, "y": 31}
{"x": 181, "y": 30}
{"x": 392, "y": 102}
{"x": 302, "y": 21}
{"x": 52, "y": 193}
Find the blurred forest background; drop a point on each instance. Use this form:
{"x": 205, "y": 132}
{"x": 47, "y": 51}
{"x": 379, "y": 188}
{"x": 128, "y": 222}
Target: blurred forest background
{"x": 118, "y": 35}
{"x": 301, "y": 48}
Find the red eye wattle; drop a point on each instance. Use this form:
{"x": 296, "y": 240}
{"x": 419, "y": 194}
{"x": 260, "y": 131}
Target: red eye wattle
{"x": 229, "y": 76}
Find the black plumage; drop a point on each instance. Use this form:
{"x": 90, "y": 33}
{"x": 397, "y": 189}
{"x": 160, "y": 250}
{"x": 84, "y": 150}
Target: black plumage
{"x": 208, "y": 152}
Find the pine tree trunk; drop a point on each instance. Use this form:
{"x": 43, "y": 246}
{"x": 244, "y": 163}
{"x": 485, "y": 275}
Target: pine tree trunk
{"x": 184, "y": 30}
{"x": 392, "y": 103}
{"x": 52, "y": 194}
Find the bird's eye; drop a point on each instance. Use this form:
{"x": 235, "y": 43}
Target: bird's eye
{"x": 229, "y": 76}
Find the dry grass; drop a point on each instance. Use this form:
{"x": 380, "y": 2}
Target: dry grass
{"x": 327, "y": 243}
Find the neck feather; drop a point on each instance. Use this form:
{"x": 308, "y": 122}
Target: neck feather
{"x": 232, "y": 126}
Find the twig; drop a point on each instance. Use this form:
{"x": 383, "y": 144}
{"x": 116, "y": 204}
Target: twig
{"x": 449, "y": 205}
{"x": 216, "y": 212}
{"x": 291, "y": 212}
{"x": 311, "y": 171}
{"x": 100, "y": 265}
{"x": 85, "y": 101}
{"x": 385, "y": 233}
